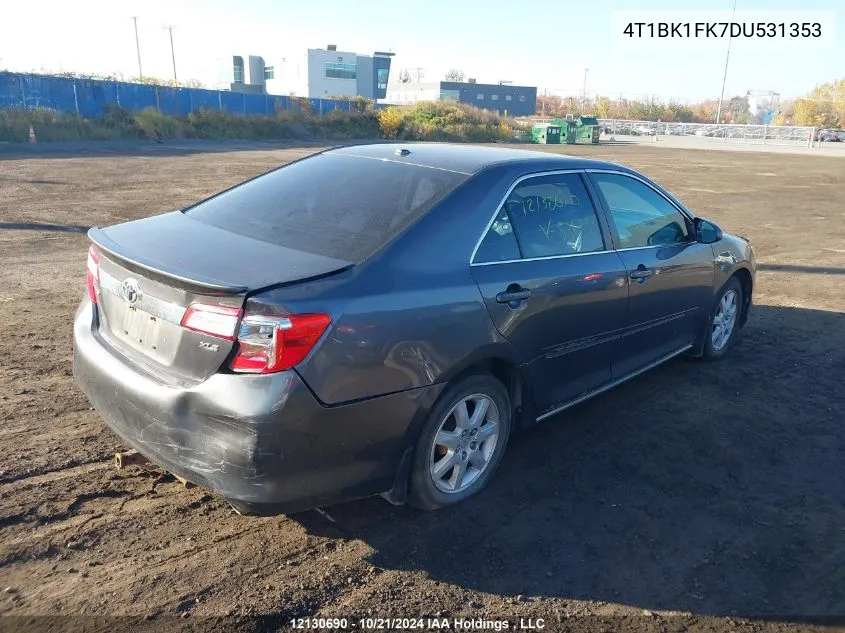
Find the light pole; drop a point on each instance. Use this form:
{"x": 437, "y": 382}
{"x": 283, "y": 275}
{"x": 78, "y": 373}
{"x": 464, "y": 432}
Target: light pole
{"x": 169, "y": 28}
{"x": 584, "y": 91}
{"x": 138, "y": 47}
{"x": 725, "y": 75}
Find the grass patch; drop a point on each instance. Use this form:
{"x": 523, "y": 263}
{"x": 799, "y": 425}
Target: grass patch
{"x": 446, "y": 121}
{"x": 429, "y": 121}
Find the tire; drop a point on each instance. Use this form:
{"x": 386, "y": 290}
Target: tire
{"x": 716, "y": 347}
{"x": 468, "y": 466}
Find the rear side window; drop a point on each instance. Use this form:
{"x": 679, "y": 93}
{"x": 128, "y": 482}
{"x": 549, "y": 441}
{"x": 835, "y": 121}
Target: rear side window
{"x": 340, "y": 206}
{"x": 553, "y": 215}
{"x": 499, "y": 244}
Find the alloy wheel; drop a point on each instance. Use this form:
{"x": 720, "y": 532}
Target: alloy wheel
{"x": 724, "y": 320}
{"x": 464, "y": 443}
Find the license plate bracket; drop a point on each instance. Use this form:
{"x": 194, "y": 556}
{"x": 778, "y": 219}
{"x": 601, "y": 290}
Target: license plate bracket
{"x": 141, "y": 328}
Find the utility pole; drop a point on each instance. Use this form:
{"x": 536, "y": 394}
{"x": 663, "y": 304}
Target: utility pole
{"x": 584, "y": 92}
{"x": 138, "y": 47}
{"x": 169, "y": 28}
{"x": 725, "y": 76}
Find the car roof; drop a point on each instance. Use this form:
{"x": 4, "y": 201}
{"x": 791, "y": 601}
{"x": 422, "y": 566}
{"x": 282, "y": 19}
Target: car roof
{"x": 468, "y": 159}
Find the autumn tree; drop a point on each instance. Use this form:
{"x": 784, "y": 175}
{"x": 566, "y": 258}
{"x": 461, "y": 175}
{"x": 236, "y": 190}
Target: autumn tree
{"x": 823, "y": 107}
{"x": 602, "y": 108}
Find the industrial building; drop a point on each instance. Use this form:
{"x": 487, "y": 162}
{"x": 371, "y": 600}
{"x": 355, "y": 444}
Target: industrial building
{"x": 235, "y": 75}
{"x": 763, "y": 106}
{"x": 502, "y": 97}
{"x": 320, "y": 73}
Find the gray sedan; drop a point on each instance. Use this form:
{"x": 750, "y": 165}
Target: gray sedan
{"x": 380, "y": 319}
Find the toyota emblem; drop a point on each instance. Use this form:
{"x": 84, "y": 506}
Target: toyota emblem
{"x": 130, "y": 291}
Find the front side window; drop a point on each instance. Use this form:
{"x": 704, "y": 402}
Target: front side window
{"x": 642, "y": 216}
{"x": 553, "y": 215}
{"x": 480, "y": 96}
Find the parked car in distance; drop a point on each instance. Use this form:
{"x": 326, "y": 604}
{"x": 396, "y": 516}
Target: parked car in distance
{"x": 643, "y": 130}
{"x": 831, "y": 136}
{"x": 380, "y": 319}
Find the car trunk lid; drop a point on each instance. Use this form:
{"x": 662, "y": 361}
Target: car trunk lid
{"x": 203, "y": 256}
{"x": 152, "y": 271}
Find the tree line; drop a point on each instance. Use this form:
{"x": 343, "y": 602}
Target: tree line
{"x": 822, "y": 107}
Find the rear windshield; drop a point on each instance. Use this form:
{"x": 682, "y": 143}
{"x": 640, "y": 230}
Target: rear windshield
{"x": 336, "y": 205}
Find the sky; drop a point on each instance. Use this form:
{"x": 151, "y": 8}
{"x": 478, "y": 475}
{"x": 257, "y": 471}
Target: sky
{"x": 544, "y": 43}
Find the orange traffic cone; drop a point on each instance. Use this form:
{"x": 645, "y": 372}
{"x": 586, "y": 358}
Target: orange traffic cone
{"x": 32, "y": 138}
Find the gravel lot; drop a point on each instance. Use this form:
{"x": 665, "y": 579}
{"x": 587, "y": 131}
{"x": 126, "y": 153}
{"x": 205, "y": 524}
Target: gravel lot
{"x": 697, "y": 497}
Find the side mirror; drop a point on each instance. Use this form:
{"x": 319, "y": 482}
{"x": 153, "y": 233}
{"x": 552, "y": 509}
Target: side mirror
{"x": 669, "y": 234}
{"x": 706, "y": 231}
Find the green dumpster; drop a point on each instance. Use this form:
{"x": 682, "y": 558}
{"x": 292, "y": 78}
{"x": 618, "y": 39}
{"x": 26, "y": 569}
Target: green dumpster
{"x": 571, "y": 132}
{"x": 588, "y": 130}
{"x": 545, "y": 134}
{"x": 568, "y": 130}
{"x": 584, "y": 130}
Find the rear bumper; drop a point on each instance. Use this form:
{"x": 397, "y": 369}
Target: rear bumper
{"x": 263, "y": 442}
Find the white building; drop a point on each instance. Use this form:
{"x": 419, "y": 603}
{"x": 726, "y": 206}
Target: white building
{"x": 235, "y": 75}
{"x": 316, "y": 73}
{"x": 323, "y": 73}
{"x": 332, "y": 73}
{"x": 763, "y": 105}
{"x": 287, "y": 75}
{"x": 411, "y": 92}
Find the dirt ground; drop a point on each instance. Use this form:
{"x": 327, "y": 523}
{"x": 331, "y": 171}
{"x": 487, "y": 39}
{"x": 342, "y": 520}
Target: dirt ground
{"x": 697, "y": 497}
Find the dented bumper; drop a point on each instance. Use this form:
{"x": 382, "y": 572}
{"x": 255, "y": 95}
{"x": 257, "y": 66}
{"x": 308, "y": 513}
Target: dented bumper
{"x": 262, "y": 441}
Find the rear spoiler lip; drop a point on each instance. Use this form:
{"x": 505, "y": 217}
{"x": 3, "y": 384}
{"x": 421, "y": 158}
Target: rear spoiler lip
{"x": 98, "y": 237}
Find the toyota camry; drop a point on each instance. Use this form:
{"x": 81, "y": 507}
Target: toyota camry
{"x": 380, "y": 319}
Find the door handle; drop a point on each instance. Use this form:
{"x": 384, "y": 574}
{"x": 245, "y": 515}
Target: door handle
{"x": 641, "y": 273}
{"x": 513, "y": 295}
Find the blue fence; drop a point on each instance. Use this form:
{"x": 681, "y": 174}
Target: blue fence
{"x": 88, "y": 97}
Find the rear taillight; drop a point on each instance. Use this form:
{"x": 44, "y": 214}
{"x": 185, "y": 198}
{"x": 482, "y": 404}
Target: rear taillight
{"x": 268, "y": 344}
{"x": 220, "y": 321}
{"x": 92, "y": 275}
